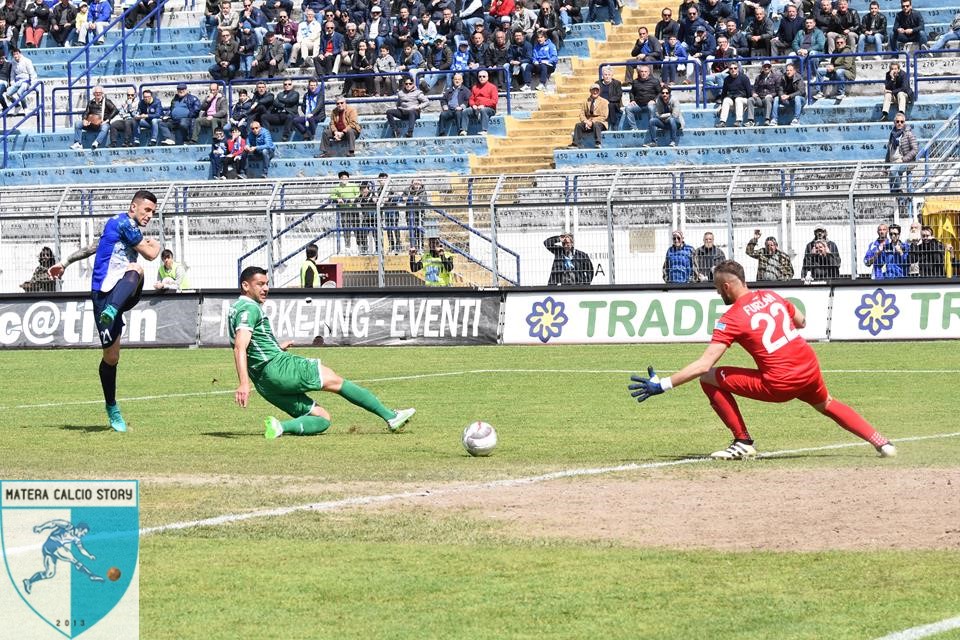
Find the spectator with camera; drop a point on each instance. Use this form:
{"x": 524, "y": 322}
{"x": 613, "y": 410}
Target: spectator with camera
{"x": 821, "y": 258}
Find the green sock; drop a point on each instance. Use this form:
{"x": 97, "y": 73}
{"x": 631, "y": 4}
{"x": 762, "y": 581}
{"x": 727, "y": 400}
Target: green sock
{"x": 305, "y": 425}
{"x": 355, "y": 394}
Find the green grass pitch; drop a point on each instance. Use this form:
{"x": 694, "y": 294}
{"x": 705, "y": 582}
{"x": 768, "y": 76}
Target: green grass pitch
{"x": 417, "y": 573}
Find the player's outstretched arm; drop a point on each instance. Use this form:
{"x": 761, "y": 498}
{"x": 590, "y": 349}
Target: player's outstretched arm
{"x": 241, "y": 342}
{"x": 149, "y": 248}
{"x": 56, "y": 271}
{"x": 642, "y": 388}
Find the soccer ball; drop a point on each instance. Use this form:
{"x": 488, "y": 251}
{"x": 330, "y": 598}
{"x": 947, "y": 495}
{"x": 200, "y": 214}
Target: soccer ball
{"x": 479, "y": 439}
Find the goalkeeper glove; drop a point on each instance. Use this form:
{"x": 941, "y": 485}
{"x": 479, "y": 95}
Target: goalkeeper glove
{"x": 642, "y": 388}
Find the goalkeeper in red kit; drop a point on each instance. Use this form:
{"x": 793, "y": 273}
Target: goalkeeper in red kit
{"x": 767, "y": 326}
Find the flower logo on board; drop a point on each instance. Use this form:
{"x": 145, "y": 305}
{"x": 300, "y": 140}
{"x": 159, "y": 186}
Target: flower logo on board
{"x": 546, "y": 319}
{"x": 877, "y": 311}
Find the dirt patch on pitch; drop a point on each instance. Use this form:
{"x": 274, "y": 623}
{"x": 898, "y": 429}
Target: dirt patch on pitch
{"x": 738, "y": 508}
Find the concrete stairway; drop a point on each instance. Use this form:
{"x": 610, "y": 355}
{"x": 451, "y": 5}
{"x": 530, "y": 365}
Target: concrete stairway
{"x": 529, "y": 144}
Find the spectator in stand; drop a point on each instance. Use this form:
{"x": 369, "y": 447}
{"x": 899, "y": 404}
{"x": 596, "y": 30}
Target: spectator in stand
{"x": 543, "y": 60}
{"x": 260, "y": 146}
{"x": 171, "y": 275}
{"x": 253, "y": 16}
{"x": 23, "y": 76}
{"x": 63, "y": 20}
{"x": 377, "y": 28}
{"x": 351, "y": 41}
{"x": 678, "y": 265}
{"x": 759, "y": 34}
{"x": 100, "y": 15}
{"x": 285, "y": 32}
{"x": 471, "y": 15}
{"x": 478, "y": 54}
{"x": 612, "y": 91}
{"x": 240, "y": 113}
{"x": 361, "y": 63}
{"x": 809, "y": 41}
{"x": 720, "y": 65}
{"x": 226, "y": 58}
{"x": 386, "y": 85}
{"x": 702, "y": 50}
{"x": 439, "y": 57}
{"x": 344, "y": 128}
{"x": 211, "y": 8}
{"x": 312, "y": 109}
{"x": 772, "y": 264}
{"x": 675, "y": 57}
{"x": 706, "y": 258}
{"x": 666, "y": 115}
{"x": 593, "y": 119}
{"x": 453, "y": 107}
{"x": 483, "y": 102}
{"x": 952, "y": 34}
{"x": 520, "y": 57}
{"x": 823, "y": 17}
{"x": 139, "y": 10}
{"x": 840, "y": 69}
{"x": 81, "y": 28}
{"x": 928, "y": 256}
{"x": 846, "y": 23}
{"x": 873, "y": 29}
{"x": 36, "y": 22}
{"x": 667, "y": 26}
{"x": 273, "y": 10}
{"x": 499, "y": 9}
{"x": 96, "y": 117}
{"x": 416, "y": 199}
{"x": 309, "y": 33}
{"x": 644, "y": 91}
{"x": 344, "y": 195}
{"x": 227, "y": 20}
{"x": 746, "y": 10}
{"x": 124, "y": 128}
{"x": 525, "y": 21}
{"x": 184, "y": 109}
{"x": 328, "y": 51}
{"x": 766, "y": 87}
{"x": 820, "y": 263}
{"x": 888, "y": 255}
{"x": 366, "y": 203}
{"x": 218, "y": 149}
{"x": 902, "y": 149}
{"x": 286, "y": 106}
{"x": 736, "y": 93}
{"x": 821, "y": 257}
{"x": 41, "y": 279}
{"x": 570, "y": 266}
{"x": 410, "y": 101}
{"x": 6, "y": 68}
{"x": 247, "y": 45}
{"x": 645, "y": 49}
{"x": 262, "y": 102}
{"x": 791, "y": 93}
{"x": 549, "y": 23}
{"x": 895, "y": 87}
{"x": 437, "y": 266}
{"x": 790, "y": 25}
{"x": 270, "y": 58}
{"x": 150, "y": 116}
{"x": 716, "y": 12}
{"x": 690, "y": 23}
{"x": 404, "y": 30}
{"x": 737, "y": 38}
{"x": 498, "y": 55}
{"x": 411, "y": 61}
{"x": 235, "y": 159}
{"x": 908, "y": 27}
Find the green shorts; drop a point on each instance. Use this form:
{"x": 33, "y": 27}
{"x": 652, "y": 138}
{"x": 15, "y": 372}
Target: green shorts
{"x": 284, "y": 381}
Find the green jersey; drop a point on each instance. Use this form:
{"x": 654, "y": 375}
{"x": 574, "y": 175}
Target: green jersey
{"x": 263, "y": 347}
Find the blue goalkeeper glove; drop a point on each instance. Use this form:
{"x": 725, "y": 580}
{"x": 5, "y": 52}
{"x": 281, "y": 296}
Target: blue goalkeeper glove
{"x": 642, "y": 388}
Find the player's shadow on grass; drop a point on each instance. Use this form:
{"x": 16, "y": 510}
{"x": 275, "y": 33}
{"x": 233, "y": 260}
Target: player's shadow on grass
{"x": 86, "y": 428}
{"x": 230, "y": 435}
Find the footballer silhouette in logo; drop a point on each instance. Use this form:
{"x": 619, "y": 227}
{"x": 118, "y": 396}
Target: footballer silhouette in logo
{"x": 62, "y": 536}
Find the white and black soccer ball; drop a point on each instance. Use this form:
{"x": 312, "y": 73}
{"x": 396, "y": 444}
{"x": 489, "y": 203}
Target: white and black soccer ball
{"x": 479, "y": 439}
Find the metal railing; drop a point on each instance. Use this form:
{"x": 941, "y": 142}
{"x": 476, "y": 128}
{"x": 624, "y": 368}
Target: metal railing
{"x": 36, "y": 90}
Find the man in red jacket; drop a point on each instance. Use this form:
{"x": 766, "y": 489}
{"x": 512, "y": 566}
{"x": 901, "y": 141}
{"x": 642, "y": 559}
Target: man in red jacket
{"x": 483, "y": 101}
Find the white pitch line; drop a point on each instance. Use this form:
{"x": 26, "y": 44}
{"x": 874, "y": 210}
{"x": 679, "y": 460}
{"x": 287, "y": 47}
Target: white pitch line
{"x": 925, "y": 631}
{"x": 362, "y": 501}
{"x": 442, "y": 374}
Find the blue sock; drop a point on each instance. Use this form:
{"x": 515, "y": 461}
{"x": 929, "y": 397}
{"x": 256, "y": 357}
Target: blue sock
{"x": 108, "y": 380}
{"x": 125, "y": 289}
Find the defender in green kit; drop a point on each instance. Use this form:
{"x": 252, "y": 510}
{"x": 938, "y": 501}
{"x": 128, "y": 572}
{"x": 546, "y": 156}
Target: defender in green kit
{"x": 283, "y": 378}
